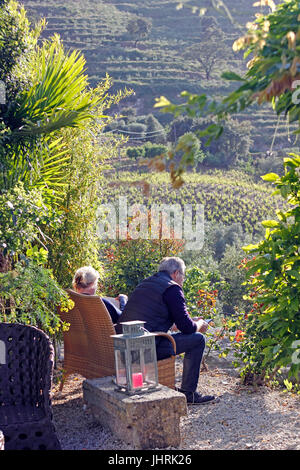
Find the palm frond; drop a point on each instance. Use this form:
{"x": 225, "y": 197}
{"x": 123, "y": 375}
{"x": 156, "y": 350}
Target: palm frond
{"x": 45, "y": 170}
{"x": 58, "y": 98}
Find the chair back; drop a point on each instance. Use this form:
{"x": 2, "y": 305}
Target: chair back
{"x": 88, "y": 346}
{"x": 26, "y": 368}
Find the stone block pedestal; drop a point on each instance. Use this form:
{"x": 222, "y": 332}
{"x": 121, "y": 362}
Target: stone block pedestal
{"x": 145, "y": 421}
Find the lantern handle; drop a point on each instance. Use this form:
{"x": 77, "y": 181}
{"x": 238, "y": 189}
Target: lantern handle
{"x": 144, "y": 329}
{"x": 161, "y": 333}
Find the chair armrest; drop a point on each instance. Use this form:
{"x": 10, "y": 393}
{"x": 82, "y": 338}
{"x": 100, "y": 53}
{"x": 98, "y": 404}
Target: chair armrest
{"x": 169, "y": 337}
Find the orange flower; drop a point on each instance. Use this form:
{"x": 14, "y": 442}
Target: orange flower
{"x": 239, "y": 335}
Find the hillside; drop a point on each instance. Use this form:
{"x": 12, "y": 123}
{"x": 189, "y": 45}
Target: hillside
{"x": 228, "y": 197}
{"x": 155, "y": 65}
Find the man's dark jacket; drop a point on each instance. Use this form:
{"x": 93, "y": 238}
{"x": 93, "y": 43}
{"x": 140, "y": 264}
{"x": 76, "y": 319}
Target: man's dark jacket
{"x": 146, "y": 304}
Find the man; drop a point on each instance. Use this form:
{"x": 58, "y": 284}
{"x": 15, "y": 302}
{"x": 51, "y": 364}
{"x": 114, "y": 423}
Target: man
{"x": 160, "y": 302}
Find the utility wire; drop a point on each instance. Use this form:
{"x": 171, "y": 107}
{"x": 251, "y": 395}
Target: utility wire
{"x": 137, "y": 133}
{"x": 140, "y": 138}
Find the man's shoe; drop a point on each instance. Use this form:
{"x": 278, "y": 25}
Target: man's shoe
{"x": 195, "y": 398}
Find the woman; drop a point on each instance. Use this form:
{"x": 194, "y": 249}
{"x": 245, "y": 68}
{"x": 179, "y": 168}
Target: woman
{"x": 85, "y": 282}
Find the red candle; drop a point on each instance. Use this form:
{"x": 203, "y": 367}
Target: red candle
{"x": 137, "y": 380}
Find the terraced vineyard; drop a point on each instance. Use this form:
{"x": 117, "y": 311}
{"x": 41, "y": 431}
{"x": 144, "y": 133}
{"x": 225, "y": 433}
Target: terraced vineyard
{"x": 156, "y": 65}
{"x": 227, "y": 197}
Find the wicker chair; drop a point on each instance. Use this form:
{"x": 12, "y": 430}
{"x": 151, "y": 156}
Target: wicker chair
{"x": 88, "y": 346}
{"x": 26, "y": 367}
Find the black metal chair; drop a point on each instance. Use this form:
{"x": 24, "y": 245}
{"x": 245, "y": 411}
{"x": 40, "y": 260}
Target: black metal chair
{"x": 26, "y": 368}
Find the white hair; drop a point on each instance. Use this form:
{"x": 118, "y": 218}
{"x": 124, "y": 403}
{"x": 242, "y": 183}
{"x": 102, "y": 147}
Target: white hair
{"x": 172, "y": 264}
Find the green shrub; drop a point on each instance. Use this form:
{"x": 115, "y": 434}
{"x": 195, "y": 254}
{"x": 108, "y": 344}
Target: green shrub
{"x": 136, "y": 129}
{"x": 234, "y": 290}
{"x": 247, "y": 343}
{"x": 148, "y": 150}
{"x": 197, "y": 279}
{"x": 23, "y": 216}
{"x": 135, "y": 152}
{"x": 128, "y": 262}
{"x": 273, "y": 274}
{"x": 152, "y": 150}
{"x": 29, "y": 294}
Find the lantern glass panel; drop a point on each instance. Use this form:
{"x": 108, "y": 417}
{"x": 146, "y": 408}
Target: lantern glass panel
{"x": 149, "y": 366}
{"x": 120, "y": 367}
{"x": 137, "y": 376}
{"x": 136, "y": 361}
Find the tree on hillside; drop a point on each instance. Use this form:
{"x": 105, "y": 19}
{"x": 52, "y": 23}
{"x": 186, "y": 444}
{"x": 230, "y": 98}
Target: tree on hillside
{"x": 211, "y": 50}
{"x": 179, "y": 126}
{"x": 139, "y": 28}
{"x": 232, "y": 146}
{"x": 155, "y": 131}
{"x": 128, "y": 114}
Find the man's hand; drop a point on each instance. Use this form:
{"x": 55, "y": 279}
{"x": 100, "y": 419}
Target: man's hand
{"x": 174, "y": 328}
{"x": 125, "y": 297}
{"x": 202, "y": 326}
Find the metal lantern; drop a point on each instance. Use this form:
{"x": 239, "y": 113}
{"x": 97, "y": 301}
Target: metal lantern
{"x": 135, "y": 358}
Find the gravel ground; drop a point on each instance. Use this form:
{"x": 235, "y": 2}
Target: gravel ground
{"x": 242, "y": 419}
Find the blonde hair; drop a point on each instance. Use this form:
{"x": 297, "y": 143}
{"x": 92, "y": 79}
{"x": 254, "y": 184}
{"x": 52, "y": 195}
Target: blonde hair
{"x": 84, "y": 277}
